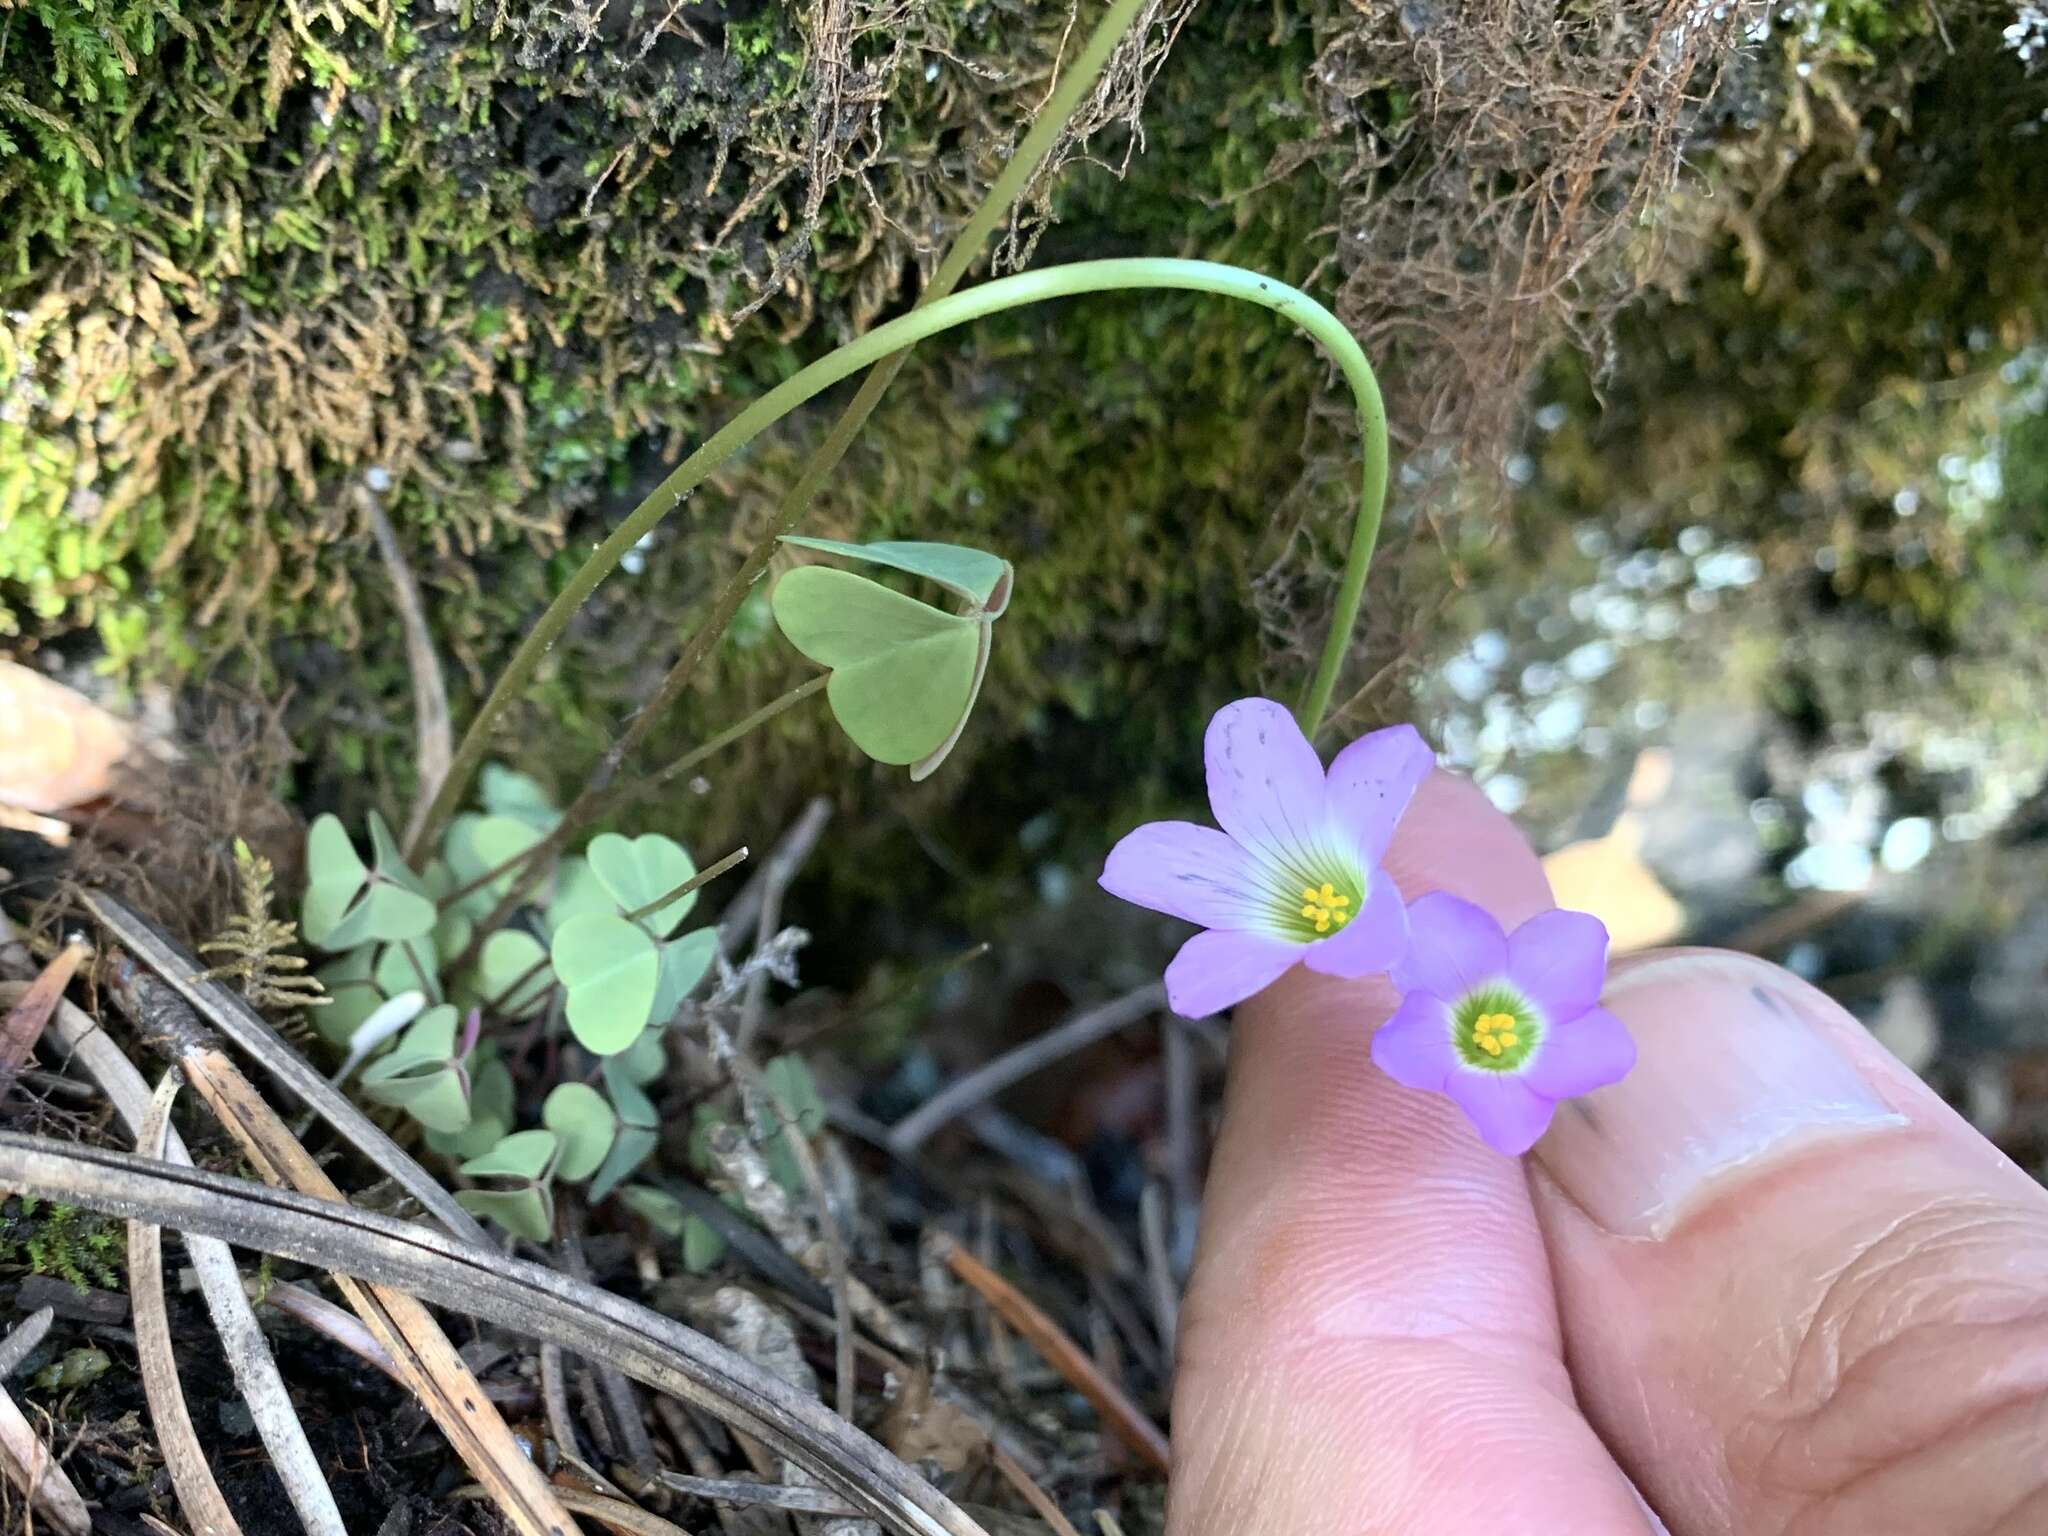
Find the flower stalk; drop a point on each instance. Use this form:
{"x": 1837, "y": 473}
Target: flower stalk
{"x": 1083, "y": 277}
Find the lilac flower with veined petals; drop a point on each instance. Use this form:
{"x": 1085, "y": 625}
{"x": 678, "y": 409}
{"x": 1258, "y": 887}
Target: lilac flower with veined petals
{"x": 1294, "y": 876}
{"x": 1506, "y": 1024}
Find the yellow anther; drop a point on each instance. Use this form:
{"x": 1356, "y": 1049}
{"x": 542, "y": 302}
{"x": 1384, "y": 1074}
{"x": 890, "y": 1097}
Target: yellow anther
{"x": 1310, "y": 893}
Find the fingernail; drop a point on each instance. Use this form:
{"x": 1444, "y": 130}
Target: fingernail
{"x": 1737, "y": 1067}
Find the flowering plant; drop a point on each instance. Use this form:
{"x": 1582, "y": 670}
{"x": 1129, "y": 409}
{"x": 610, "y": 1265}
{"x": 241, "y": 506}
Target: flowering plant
{"x": 1506, "y": 1025}
{"x": 1293, "y": 877}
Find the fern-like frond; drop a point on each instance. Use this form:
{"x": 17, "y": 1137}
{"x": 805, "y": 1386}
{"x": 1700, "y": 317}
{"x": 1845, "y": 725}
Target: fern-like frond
{"x": 260, "y": 959}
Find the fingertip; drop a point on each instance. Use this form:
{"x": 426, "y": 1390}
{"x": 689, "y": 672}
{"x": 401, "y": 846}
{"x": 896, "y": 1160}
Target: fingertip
{"x": 1454, "y": 839}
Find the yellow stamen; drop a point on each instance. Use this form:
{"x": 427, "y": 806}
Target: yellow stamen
{"x": 1324, "y": 906}
{"x": 1493, "y": 1033}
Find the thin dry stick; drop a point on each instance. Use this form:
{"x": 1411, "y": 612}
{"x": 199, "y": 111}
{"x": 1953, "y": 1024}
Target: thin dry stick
{"x": 526, "y": 1298}
{"x": 1118, "y": 1412}
{"x": 739, "y": 917}
{"x": 701, "y": 878}
{"x": 199, "y": 1496}
{"x": 23, "y": 1339}
{"x": 233, "y": 1017}
{"x": 72, "y": 1031}
{"x": 1152, "y": 1221}
{"x": 1035, "y": 1496}
{"x": 554, "y": 1397}
{"x": 338, "y": 1324}
{"x": 746, "y": 1493}
{"x": 435, "y": 734}
{"x": 1035, "y": 1055}
{"x": 434, "y": 1372}
{"x": 1183, "y": 1140}
{"x": 629, "y": 1519}
{"x": 783, "y": 864}
{"x": 31, "y": 1011}
{"x": 28, "y": 1464}
{"x": 760, "y": 1102}
{"x": 612, "y": 1385}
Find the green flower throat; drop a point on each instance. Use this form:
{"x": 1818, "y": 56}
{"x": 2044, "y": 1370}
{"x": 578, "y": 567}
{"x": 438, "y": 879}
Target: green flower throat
{"x": 1495, "y": 1029}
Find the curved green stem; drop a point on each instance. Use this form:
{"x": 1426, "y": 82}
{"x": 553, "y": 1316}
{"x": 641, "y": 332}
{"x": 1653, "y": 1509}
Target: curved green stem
{"x": 929, "y": 320}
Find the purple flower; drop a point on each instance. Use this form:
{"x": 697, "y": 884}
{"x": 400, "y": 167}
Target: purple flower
{"x": 1294, "y": 875}
{"x": 1506, "y": 1024}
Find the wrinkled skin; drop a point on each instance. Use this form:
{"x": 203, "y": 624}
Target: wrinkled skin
{"x": 1770, "y": 1279}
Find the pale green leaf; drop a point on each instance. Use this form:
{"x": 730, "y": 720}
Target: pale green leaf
{"x": 611, "y": 970}
{"x": 490, "y": 1115}
{"x": 637, "y": 870}
{"x": 980, "y": 577}
{"x": 335, "y": 877}
{"x": 702, "y": 1245}
{"x": 579, "y": 1115}
{"x": 512, "y": 975}
{"x": 440, "y": 1102}
{"x": 630, "y": 1148}
{"x": 659, "y": 1210}
{"x": 508, "y": 792}
{"x": 522, "y": 1155}
{"x": 577, "y": 891}
{"x": 528, "y": 1212}
{"x": 642, "y": 1062}
{"x": 476, "y": 845}
{"x": 903, "y": 673}
{"x": 789, "y": 1080}
{"x": 634, "y": 1107}
{"x": 927, "y": 765}
{"x": 389, "y": 859}
{"x": 412, "y": 966}
{"x": 683, "y": 964}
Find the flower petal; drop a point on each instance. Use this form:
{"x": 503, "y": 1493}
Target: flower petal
{"x": 1371, "y": 783}
{"x": 1369, "y": 943}
{"x": 1453, "y": 946}
{"x": 1185, "y": 870}
{"x": 1508, "y": 1114}
{"x": 1558, "y": 960}
{"x": 1414, "y": 1047}
{"x": 1589, "y": 1052}
{"x": 1217, "y": 969}
{"x": 1266, "y": 782}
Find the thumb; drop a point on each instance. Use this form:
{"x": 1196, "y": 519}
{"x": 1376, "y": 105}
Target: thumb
{"x": 1798, "y": 1292}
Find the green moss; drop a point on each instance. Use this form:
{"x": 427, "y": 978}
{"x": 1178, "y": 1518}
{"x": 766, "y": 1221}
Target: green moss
{"x": 75, "y": 1245}
{"x": 263, "y": 257}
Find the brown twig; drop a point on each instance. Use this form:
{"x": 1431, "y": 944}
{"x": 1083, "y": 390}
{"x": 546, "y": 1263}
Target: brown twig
{"x": 1035, "y": 1055}
{"x": 1027, "y": 1485}
{"x": 1119, "y": 1413}
{"x": 24, "y": 1023}
{"x": 434, "y": 733}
